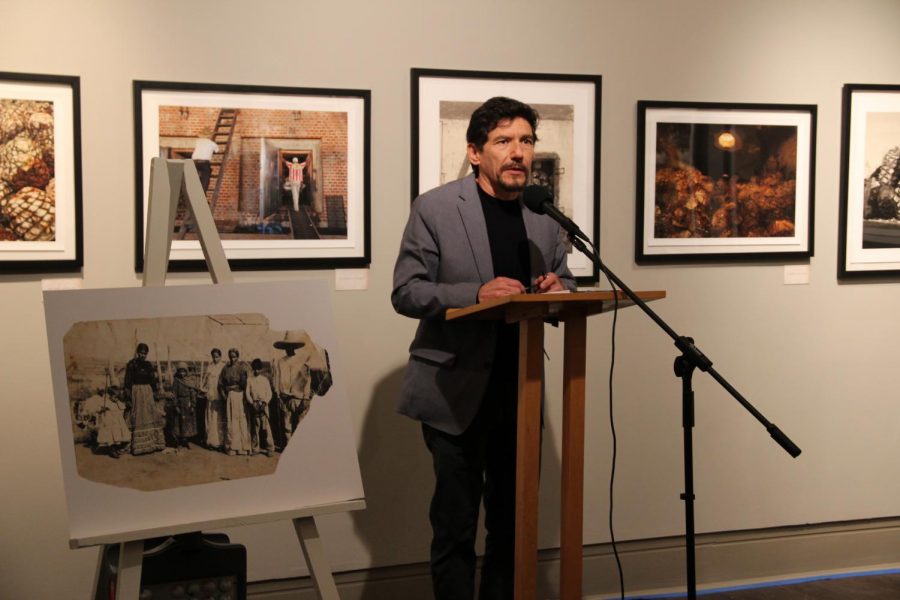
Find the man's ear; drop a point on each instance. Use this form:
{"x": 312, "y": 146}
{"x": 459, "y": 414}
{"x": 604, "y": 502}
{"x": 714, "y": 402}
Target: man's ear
{"x": 473, "y": 154}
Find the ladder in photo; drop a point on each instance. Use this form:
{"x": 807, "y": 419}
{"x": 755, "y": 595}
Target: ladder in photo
{"x": 222, "y": 135}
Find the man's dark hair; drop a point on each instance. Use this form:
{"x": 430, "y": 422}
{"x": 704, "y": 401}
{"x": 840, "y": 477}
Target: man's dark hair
{"x": 486, "y": 117}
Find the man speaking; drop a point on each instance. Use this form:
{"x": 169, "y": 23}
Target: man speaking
{"x": 469, "y": 241}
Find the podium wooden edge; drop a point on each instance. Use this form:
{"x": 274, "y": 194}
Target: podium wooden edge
{"x": 549, "y": 305}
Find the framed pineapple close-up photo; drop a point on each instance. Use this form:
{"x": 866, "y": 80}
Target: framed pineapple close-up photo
{"x": 40, "y": 173}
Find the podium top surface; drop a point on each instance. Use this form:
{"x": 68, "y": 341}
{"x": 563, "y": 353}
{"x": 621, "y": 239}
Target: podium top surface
{"x": 562, "y": 305}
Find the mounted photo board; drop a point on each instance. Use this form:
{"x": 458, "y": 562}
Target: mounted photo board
{"x": 118, "y": 491}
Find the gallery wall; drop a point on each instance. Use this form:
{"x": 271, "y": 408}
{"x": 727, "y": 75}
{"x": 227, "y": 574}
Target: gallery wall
{"x": 819, "y": 359}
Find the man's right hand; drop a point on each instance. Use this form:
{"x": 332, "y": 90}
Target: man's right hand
{"x": 498, "y": 287}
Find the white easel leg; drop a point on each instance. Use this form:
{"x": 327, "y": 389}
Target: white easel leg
{"x": 128, "y": 581}
{"x": 101, "y": 564}
{"x": 322, "y": 578}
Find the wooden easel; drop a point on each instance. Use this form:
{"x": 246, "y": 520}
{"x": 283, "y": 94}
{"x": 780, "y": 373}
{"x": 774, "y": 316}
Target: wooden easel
{"x": 168, "y": 179}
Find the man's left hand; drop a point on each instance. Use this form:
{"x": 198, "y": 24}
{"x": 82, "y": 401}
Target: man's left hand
{"x": 549, "y": 282}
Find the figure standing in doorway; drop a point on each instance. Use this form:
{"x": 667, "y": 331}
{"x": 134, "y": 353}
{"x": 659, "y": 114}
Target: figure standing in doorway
{"x": 295, "y": 179}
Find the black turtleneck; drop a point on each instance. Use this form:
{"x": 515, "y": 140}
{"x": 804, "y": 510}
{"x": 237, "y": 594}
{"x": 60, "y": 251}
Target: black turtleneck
{"x": 509, "y": 242}
{"x": 510, "y": 257}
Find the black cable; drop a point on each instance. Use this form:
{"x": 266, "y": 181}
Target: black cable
{"x": 612, "y": 428}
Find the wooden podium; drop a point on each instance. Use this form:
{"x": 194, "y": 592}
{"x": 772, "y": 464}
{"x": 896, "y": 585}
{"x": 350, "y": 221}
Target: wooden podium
{"x": 530, "y": 311}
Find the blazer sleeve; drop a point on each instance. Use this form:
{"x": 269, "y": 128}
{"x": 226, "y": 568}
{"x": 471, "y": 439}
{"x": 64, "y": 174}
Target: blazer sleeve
{"x": 418, "y": 290}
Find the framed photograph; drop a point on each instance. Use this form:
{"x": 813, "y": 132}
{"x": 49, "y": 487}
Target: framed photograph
{"x": 870, "y": 182}
{"x": 40, "y": 173}
{"x": 724, "y": 182}
{"x": 285, "y": 170}
{"x": 567, "y": 154}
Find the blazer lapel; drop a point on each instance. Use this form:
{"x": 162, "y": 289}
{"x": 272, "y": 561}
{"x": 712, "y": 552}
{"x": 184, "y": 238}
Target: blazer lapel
{"x": 534, "y": 231}
{"x": 476, "y": 229}
{"x": 531, "y": 220}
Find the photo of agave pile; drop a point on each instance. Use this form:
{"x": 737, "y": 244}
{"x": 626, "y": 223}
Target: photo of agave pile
{"x": 27, "y": 184}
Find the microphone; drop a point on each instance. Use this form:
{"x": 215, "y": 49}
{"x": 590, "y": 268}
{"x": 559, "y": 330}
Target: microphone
{"x": 539, "y": 200}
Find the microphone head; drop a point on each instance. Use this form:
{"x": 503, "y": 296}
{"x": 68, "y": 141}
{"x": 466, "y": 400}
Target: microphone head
{"x": 534, "y": 197}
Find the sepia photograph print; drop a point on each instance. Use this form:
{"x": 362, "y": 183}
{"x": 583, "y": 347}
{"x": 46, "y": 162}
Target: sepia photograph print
{"x": 724, "y": 182}
{"x": 567, "y": 152}
{"x": 870, "y": 182}
{"x": 178, "y": 401}
{"x": 285, "y": 170}
{"x": 40, "y": 173}
{"x": 227, "y": 398}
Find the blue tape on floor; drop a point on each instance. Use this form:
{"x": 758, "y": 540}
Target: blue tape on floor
{"x": 778, "y": 583}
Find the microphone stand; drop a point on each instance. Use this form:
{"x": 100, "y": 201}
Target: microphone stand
{"x": 691, "y": 358}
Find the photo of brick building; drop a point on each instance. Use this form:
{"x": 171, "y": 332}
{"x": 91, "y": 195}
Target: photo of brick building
{"x": 249, "y": 187}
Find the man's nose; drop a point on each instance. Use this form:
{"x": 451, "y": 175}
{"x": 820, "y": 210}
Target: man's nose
{"x": 515, "y": 150}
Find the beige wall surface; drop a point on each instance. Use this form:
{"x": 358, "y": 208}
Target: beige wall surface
{"x": 818, "y": 359}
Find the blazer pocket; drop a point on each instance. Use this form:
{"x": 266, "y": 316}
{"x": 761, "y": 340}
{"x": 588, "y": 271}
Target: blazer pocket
{"x": 434, "y": 356}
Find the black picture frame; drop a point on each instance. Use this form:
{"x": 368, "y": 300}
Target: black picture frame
{"x": 568, "y": 103}
{"x": 724, "y": 182}
{"x": 40, "y": 174}
{"x": 327, "y": 130}
{"x": 869, "y": 230}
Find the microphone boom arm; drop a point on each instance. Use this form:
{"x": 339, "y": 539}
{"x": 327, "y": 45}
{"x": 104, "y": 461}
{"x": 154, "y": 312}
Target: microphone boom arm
{"x": 690, "y": 351}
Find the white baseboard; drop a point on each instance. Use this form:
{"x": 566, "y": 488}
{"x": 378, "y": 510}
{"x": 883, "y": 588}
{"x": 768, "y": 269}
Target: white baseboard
{"x": 655, "y": 566}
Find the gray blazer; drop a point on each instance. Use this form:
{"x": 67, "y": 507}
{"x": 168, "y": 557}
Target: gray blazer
{"x": 445, "y": 257}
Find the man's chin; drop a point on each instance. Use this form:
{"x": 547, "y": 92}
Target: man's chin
{"x": 514, "y": 184}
